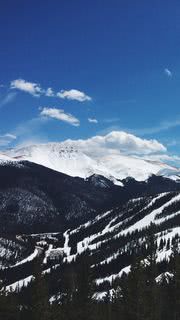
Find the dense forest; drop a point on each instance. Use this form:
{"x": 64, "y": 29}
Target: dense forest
{"x": 137, "y": 295}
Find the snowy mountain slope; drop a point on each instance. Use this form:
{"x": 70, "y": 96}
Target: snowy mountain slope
{"x": 60, "y": 219}
{"x": 64, "y": 159}
{"x": 172, "y": 173}
{"x": 70, "y": 159}
{"x": 112, "y": 242}
{"x": 111, "y": 239}
{"x": 34, "y": 198}
{"x": 115, "y": 224}
{"x": 123, "y": 166}
{"x": 11, "y": 251}
{"x": 5, "y": 158}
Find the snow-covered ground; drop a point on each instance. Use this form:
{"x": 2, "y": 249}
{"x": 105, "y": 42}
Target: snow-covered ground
{"x": 19, "y": 284}
{"x": 148, "y": 219}
{"x": 4, "y": 157}
{"x": 93, "y": 242}
{"x": 68, "y": 157}
{"x": 31, "y": 257}
{"x": 112, "y": 277}
{"x": 110, "y": 225}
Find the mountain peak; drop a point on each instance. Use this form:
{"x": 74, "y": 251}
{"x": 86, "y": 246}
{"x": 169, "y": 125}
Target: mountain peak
{"x": 69, "y": 158}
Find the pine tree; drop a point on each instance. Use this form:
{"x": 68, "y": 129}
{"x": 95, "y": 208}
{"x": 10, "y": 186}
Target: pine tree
{"x": 168, "y": 244}
{"x": 165, "y": 306}
{"x": 121, "y": 308}
{"x": 152, "y": 296}
{"x": 136, "y": 290}
{"x": 108, "y": 304}
{"x": 9, "y": 309}
{"x": 176, "y": 281}
{"x": 82, "y": 298}
{"x": 40, "y": 304}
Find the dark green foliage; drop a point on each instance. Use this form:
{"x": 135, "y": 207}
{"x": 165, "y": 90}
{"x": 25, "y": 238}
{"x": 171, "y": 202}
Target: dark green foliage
{"x": 9, "y": 309}
{"x": 137, "y": 297}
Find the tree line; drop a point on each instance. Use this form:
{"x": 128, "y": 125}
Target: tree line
{"x": 137, "y": 295}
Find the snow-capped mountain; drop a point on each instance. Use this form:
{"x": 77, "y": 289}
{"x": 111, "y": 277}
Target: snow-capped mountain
{"x": 4, "y": 158}
{"x": 70, "y": 159}
{"x": 110, "y": 239}
{"x": 36, "y": 198}
{"x": 59, "y": 218}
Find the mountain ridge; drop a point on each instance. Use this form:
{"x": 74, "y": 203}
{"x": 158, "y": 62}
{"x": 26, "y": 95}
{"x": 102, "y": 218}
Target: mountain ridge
{"x": 48, "y": 215}
{"x": 70, "y": 159}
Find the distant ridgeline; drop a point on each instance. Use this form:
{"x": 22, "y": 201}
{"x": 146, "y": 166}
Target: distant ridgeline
{"x": 74, "y": 248}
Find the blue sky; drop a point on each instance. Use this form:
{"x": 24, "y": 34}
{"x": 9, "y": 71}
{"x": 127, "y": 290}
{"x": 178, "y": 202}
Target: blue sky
{"x": 77, "y": 69}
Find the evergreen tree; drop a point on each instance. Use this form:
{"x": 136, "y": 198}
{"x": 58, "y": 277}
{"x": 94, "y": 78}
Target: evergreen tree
{"x": 82, "y": 298}
{"x": 40, "y": 304}
{"x": 151, "y": 270}
{"x": 176, "y": 280}
{"x": 137, "y": 290}
{"x": 9, "y": 309}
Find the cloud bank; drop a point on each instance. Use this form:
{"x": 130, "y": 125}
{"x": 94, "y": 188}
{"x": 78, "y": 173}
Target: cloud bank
{"x": 118, "y": 142}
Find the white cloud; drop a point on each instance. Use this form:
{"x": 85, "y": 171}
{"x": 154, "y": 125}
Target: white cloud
{"x": 7, "y": 99}
{"x": 36, "y": 90}
{"x": 49, "y": 92}
{"x": 59, "y": 114}
{"x": 6, "y": 139}
{"x": 73, "y": 94}
{"x": 29, "y": 87}
{"x": 119, "y": 142}
{"x": 10, "y": 136}
{"x": 168, "y": 72}
{"x": 92, "y": 120}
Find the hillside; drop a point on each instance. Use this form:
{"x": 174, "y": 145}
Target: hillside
{"x": 70, "y": 158}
